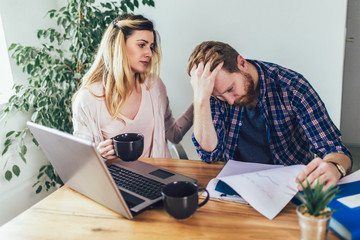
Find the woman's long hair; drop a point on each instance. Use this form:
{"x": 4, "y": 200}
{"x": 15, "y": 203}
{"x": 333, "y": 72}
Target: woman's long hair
{"x": 111, "y": 65}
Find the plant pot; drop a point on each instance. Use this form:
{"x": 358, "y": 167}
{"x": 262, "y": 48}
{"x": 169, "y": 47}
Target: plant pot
{"x": 313, "y": 228}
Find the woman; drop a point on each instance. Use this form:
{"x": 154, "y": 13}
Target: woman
{"x": 122, "y": 92}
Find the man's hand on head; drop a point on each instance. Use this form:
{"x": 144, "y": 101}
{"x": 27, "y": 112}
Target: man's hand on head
{"x": 203, "y": 80}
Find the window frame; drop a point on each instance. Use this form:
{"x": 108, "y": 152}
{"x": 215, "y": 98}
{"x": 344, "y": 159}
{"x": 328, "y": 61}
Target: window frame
{"x": 6, "y": 79}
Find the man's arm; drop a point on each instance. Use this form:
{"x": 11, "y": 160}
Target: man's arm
{"x": 204, "y": 131}
{"x": 324, "y": 137}
{"x": 202, "y": 81}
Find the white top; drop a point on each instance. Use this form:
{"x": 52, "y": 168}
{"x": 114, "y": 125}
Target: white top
{"x": 93, "y": 121}
{"x": 143, "y": 122}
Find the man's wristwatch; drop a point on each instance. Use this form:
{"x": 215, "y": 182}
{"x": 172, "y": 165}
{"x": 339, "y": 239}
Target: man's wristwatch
{"x": 340, "y": 168}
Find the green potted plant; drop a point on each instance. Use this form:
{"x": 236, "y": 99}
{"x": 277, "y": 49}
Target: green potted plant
{"x": 54, "y": 72}
{"x": 314, "y": 214}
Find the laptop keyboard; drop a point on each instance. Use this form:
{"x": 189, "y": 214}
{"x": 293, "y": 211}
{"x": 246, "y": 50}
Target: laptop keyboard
{"x": 136, "y": 183}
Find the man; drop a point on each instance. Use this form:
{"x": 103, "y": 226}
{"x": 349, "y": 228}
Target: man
{"x": 255, "y": 111}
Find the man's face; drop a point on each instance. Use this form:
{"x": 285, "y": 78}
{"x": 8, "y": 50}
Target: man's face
{"x": 235, "y": 88}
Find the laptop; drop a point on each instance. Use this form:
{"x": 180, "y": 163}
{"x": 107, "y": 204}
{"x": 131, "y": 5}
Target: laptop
{"x": 81, "y": 168}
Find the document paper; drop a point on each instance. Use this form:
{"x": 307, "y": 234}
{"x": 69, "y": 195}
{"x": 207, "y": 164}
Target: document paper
{"x": 267, "y": 188}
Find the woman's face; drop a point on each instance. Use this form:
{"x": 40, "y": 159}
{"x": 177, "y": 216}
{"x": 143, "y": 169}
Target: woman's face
{"x": 139, "y": 47}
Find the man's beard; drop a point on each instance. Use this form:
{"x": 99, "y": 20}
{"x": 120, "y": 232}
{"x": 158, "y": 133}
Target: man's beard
{"x": 250, "y": 92}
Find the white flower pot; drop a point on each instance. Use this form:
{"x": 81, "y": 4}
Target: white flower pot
{"x": 312, "y": 228}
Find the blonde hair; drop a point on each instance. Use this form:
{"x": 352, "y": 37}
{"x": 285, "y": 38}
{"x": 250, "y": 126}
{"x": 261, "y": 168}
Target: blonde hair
{"x": 111, "y": 64}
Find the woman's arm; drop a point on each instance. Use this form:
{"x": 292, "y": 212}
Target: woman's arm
{"x": 175, "y": 130}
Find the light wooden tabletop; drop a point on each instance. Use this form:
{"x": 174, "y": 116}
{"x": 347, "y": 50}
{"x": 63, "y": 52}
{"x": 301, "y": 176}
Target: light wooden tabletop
{"x": 66, "y": 214}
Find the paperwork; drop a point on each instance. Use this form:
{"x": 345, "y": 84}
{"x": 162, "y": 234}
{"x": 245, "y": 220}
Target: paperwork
{"x": 267, "y": 188}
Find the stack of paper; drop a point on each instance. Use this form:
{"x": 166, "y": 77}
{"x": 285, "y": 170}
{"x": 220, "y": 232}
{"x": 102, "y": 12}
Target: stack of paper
{"x": 267, "y": 188}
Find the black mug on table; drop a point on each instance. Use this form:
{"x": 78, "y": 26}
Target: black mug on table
{"x": 181, "y": 199}
{"x": 128, "y": 146}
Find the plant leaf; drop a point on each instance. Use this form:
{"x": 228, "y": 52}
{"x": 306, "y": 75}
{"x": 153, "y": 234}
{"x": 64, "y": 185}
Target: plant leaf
{"x": 35, "y": 183}
{"x": 8, "y": 175}
{"x": 42, "y": 168}
{"x": 48, "y": 185}
{"x": 40, "y": 175}
{"x": 23, "y": 149}
{"x": 5, "y": 150}
{"x": 12, "y": 46}
{"x": 7, "y": 142}
{"x": 35, "y": 142}
{"x": 38, "y": 190}
{"x": 9, "y": 134}
{"x": 49, "y": 172}
{"x": 22, "y": 157}
{"x": 16, "y": 170}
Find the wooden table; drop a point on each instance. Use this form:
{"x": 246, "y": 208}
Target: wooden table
{"x": 66, "y": 214}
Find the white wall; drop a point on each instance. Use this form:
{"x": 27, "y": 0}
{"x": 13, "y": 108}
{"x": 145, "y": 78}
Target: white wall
{"x": 21, "y": 19}
{"x": 306, "y": 36}
{"x": 18, "y": 194}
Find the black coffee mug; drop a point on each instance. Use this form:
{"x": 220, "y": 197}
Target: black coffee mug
{"x": 128, "y": 146}
{"x": 181, "y": 199}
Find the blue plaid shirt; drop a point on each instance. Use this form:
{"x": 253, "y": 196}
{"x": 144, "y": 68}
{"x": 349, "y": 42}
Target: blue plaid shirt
{"x": 296, "y": 120}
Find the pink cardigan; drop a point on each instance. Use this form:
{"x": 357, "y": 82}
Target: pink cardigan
{"x": 88, "y": 111}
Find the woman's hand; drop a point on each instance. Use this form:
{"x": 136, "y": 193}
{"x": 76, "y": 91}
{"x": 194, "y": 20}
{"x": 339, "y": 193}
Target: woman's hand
{"x": 106, "y": 149}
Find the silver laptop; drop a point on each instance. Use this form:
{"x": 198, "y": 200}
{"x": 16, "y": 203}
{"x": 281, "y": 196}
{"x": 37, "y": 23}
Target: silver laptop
{"x": 81, "y": 168}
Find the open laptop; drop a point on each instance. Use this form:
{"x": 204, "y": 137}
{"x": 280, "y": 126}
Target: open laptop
{"x": 81, "y": 168}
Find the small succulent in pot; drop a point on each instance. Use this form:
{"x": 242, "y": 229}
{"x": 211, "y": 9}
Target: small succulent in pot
{"x": 315, "y": 199}
{"x": 314, "y": 214}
